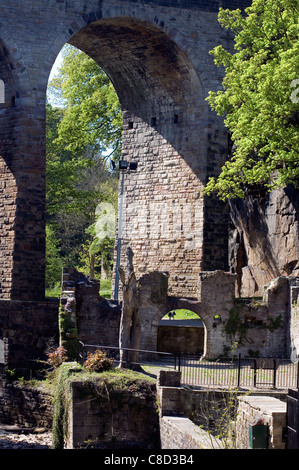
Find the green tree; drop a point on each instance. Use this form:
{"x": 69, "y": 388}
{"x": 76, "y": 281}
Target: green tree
{"x": 53, "y": 259}
{"x": 65, "y": 170}
{"x": 257, "y": 99}
{"x": 85, "y": 122}
{"x": 92, "y": 117}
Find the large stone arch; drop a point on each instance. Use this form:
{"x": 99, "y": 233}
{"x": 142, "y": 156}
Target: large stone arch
{"x": 160, "y": 95}
{"x": 172, "y": 72}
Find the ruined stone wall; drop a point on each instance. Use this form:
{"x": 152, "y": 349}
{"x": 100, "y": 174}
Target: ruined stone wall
{"x": 244, "y": 326}
{"x": 113, "y": 417}
{"x": 26, "y": 329}
{"x": 260, "y": 327}
{"x": 95, "y": 319}
{"x": 178, "y": 432}
{"x": 183, "y": 412}
{"x": 25, "y": 406}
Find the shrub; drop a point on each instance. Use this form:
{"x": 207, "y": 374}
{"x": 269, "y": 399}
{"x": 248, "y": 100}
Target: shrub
{"x": 98, "y": 361}
{"x": 57, "y": 357}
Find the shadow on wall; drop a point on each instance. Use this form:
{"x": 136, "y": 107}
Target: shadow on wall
{"x": 264, "y": 239}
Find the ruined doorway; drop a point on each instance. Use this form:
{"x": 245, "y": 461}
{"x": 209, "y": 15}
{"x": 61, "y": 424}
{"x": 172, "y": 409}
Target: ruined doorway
{"x": 183, "y": 333}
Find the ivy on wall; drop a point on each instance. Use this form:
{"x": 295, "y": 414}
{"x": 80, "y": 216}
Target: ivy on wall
{"x": 237, "y": 325}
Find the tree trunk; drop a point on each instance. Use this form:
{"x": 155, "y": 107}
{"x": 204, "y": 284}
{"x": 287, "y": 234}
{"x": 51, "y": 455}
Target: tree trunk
{"x": 91, "y": 266}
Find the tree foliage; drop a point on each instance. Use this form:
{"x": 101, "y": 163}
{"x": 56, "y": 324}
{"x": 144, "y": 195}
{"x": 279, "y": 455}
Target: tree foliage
{"x": 257, "y": 99}
{"x": 83, "y": 123}
{"x": 92, "y": 117}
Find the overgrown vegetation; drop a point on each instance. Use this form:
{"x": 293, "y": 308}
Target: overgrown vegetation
{"x": 101, "y": 382}
{"x": 98, "y": 362}
{"x": 60, "y": 415}
{"x": 235, "y": 326}
{"x": 68, "y": 333}
{"x": 217, "y": 414}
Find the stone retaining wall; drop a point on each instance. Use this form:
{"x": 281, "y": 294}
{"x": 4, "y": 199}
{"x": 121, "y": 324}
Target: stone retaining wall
{"x": 25, "y": 406}
{"x": 128, "y": 417}
{"x": 182, "y": 411}
{"x": 112, "y": 419}
{"x": 26, "y": 328}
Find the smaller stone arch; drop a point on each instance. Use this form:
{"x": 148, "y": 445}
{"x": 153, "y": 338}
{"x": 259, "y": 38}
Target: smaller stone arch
{"x": 179, "y": 335}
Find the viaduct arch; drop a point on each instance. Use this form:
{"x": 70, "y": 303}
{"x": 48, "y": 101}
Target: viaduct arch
{"x": 156, "y": 53}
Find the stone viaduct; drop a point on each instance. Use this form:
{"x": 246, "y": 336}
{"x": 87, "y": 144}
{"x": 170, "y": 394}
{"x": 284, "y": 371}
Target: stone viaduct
{"x": 157, "y": 56}
{"x": 156, "y": 53}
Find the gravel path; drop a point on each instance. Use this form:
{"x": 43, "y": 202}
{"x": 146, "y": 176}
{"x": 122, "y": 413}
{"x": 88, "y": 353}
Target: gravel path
{"x": 12, "y": 437}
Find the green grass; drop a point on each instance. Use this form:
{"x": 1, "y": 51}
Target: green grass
{"x": 54, "y": 291}
{"x": 105, "y": 290}
{"x": 184, "y": 314}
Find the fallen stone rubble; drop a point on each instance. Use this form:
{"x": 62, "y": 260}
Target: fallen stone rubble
{"x": 13, "y": 437}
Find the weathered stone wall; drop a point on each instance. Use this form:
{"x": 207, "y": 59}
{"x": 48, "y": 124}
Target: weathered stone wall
{"x": 266, "y": 411}
{"x": 117, "y": 418}
{"x": 25, "y": 406}
{"x": 178, "y": 432}
{"x": 96, "y": 319}
{"x": 182, "y": 411}
{"x": 260, "y": 327}
{"x": 26, "y": 328}
{"x": 256, "y": 326}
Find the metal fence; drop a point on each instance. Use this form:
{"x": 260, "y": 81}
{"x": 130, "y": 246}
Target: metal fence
{"x": 236, "y": 372}
{"x": 239, "y": 373}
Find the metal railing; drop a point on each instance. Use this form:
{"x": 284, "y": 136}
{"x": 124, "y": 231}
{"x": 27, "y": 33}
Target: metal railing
{"x": 114, "y": 352}
{"x": 239, "y": 372}
{"x": 235, "y": 372}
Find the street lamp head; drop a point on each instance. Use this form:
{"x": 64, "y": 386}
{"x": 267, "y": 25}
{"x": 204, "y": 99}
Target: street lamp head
{"x": 123, "y": 164}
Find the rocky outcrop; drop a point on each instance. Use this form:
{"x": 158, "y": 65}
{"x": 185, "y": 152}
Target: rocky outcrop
{"x": 264, "y": 241}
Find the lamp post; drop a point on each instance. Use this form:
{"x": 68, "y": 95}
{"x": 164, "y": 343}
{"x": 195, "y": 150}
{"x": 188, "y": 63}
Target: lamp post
{"x": 123, "y": 165}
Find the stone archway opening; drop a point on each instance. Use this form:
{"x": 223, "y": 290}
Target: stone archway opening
{"x": 163, "y": 112}
{"x": 81, "y": 217}
{"x": 181, "y": 331}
